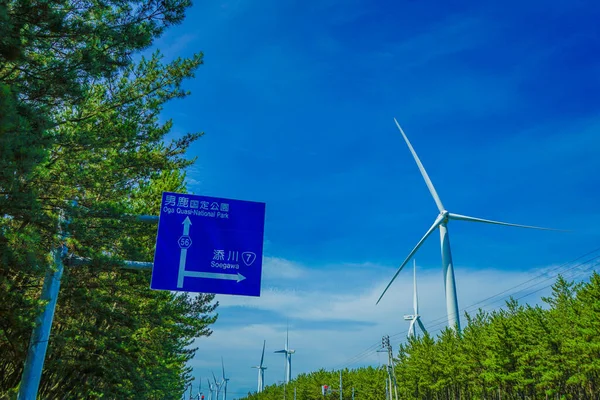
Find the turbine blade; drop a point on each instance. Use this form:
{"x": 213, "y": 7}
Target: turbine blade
{"x": 436, "y": 223}
{"x": 223, "y": 365}
{"x": 411, "y": 329}
{"x": 415, "y": 301}
{"x": 287, "y": 335}
{"x": 421, "y": 325}
{"x": 489, "y": 221}
{"x": 432, "y": 190}
{"x": 263, "y": 353}
{"x": 280, "y": 351}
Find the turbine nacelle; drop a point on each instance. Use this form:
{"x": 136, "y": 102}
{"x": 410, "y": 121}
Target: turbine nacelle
{"x": 409, "y": 317}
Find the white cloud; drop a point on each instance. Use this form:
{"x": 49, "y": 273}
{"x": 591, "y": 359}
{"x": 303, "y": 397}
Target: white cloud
{"x": 279, "y": 268}
{"x": 192, "y": 181}
{"x": 337, "y": 319}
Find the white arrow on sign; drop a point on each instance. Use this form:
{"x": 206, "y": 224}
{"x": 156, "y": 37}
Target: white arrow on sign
{"x": 186, "y": 231}
{"x": 196, "y": 274}
{"x": 186, "y": 226}
{"x": 213, "y": 275}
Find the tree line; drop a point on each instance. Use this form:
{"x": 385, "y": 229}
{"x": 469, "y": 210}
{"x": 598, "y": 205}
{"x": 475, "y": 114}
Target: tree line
{"x": 80, "y": 137}
{"x": 547, "y": 351}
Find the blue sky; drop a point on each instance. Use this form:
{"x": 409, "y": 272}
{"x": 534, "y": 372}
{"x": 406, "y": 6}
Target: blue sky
{"x": 297, "y": 101}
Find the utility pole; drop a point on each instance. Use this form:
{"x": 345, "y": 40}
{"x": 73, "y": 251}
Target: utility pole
{"x": 341, "y": 387}
{"x": 387, "y": 390}
{"x": 294, "y": 392}
{"x": 352, "y": 393}
{"x": 391, "y": 384}
{"x": 388, "y": 393}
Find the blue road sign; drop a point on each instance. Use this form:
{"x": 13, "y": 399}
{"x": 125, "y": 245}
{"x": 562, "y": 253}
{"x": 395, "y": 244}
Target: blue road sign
{"x": 209, "y": 245}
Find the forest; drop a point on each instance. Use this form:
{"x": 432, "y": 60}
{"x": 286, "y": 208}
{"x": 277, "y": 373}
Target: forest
{"x": 548, "y": 351}
{"x": 82, "y": 147}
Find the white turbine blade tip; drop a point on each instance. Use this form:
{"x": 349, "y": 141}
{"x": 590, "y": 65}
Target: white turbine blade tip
{"x": 428, "y": 182}
{"x": 489, "y": 221}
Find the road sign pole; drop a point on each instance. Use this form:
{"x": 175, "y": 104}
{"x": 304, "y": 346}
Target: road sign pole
{"x": 38, "y": 344}
{"x": 34, "y": 363}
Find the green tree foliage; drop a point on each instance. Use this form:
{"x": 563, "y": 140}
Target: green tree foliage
{"x": 368, "y": 383}
{"x": 50, "y": 52}
{"x": 79, "y": 120}
{"x": 519, "y": 352}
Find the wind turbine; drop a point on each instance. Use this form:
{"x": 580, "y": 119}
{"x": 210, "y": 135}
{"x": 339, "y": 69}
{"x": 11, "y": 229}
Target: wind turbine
{"x": 224, "y": 381}
{"x": 415, "y": 318}
{"x": 217, "y": 385}
{"x": 211, "y": 389}
{"x": 441, "y": 222}
{"x": 288, "y": 358}
{"x": 261, "y": 371}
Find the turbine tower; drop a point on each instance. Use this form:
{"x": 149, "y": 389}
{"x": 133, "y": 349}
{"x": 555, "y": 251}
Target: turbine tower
{"x": 441, "y": 222}
{"x": 288, "y": 358}
{"x": 217, "y": 386}
{"x": 211, "y": 389}
{"x": 415, "y": 318}
{"x": 261, "y": 371}
{"x": 224, "y": 381}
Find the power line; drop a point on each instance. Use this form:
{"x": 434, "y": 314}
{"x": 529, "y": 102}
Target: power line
{"x": 558, "y": 270}
{"x": 441, "y": 321}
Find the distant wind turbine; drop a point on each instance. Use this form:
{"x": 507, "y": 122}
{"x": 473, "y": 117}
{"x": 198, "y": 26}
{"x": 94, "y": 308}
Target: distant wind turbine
{"x": 211, "y": 389}
{"x": 224, "y": 381}
{"x": 415, "y": 318}
{"x": 288, "y": 358}
{"x": 441, "y": 222}
{"x": 217, "y": 386}
{"x": 261, "y": 371}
